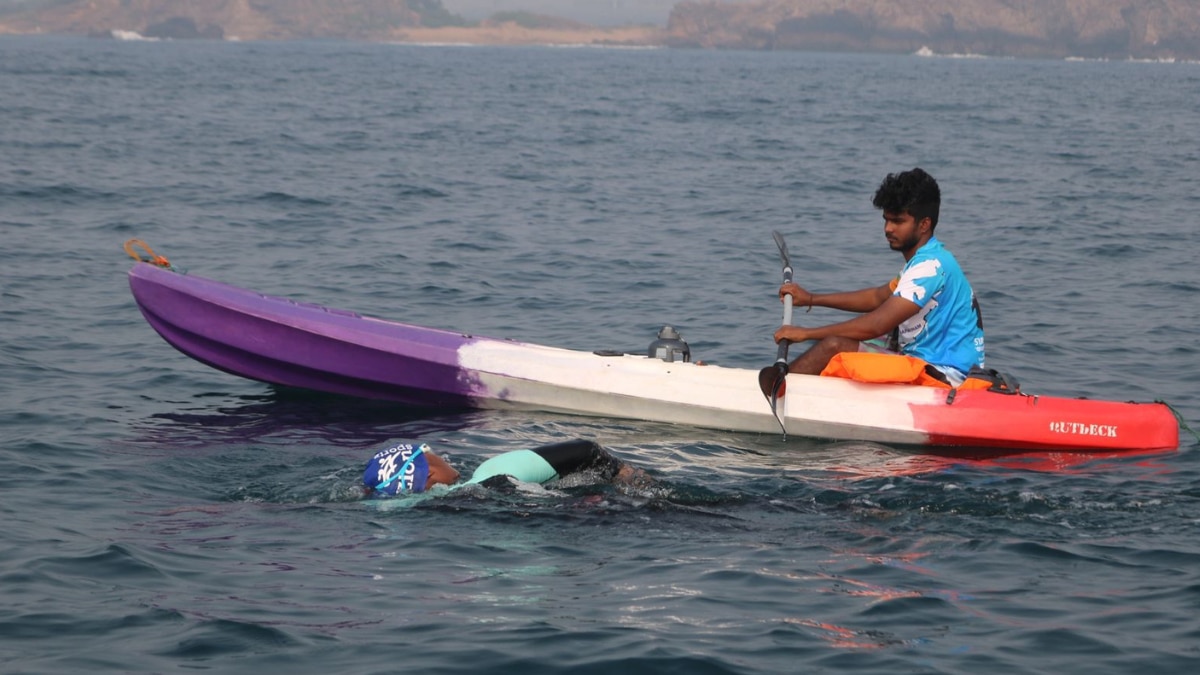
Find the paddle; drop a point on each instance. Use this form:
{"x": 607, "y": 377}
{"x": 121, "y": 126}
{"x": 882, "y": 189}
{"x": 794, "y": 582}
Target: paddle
{"x": 773, "y": 378}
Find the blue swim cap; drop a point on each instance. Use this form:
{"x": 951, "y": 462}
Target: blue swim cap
{"x": 397, "y": 470}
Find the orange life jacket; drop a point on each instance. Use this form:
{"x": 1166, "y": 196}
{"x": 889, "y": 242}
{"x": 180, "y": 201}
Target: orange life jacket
{"x": 881, "y": 368}
{"x": 891, "y": 369}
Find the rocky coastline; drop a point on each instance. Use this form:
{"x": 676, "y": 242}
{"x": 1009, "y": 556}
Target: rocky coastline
{"x": 1102, "y": 29}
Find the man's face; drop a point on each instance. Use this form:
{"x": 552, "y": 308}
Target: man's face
{"x": 440, "y": 473}
{"x": 903, "y": 232}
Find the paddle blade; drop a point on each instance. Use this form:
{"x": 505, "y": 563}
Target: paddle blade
{"x": 773, "y": 382}
{"x": 783, "y": 252}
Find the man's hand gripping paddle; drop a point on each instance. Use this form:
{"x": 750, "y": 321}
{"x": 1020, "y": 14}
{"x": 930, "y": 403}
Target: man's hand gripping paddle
{"x": 773, "y": 379}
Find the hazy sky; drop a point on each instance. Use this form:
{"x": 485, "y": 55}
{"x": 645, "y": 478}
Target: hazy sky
{"x": 598, "y": 12}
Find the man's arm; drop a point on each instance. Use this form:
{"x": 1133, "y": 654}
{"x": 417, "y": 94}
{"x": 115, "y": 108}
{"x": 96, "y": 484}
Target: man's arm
{"x": 861, "y": 301}
{"x": 880, "y": 321}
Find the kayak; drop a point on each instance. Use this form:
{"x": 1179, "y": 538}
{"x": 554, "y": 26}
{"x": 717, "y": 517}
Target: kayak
{"x": 296, "y": 344}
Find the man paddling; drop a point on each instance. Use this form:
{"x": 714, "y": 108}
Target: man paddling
{"x": 929, "y": 311}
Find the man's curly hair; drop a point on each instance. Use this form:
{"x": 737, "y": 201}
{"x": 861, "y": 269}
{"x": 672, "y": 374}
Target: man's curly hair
{"x": 914, "y": 192}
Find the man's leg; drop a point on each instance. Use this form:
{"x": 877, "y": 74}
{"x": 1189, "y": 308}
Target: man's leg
{"x": 813, "y": 361}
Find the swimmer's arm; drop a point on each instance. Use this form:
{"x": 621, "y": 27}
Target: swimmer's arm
{"x": 524, "y": 465}
{"x": 549, "y": 462}
{"x": 580, "y": 455}
{"x": 571, "y": 457}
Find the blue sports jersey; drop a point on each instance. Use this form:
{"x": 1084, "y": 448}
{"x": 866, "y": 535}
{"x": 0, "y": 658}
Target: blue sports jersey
{"x": 948, "y": 330}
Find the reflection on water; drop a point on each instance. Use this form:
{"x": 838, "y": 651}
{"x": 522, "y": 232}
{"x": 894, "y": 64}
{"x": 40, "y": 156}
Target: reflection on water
{"x": 295, "y": 415}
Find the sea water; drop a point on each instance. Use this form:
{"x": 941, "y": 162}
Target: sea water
{"x": 159, "y": 515}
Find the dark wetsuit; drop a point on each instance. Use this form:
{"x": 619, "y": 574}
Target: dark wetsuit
{"x": 550, "y": 462}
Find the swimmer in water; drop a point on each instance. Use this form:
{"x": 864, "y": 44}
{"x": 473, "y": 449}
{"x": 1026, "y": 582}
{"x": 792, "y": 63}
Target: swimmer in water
{"x": 409, "y": 469}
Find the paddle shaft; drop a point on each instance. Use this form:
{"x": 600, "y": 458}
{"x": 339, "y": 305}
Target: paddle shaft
{"x": 781, "y": 354}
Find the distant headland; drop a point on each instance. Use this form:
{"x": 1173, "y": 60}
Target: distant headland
{"x": 1101, "y": 29}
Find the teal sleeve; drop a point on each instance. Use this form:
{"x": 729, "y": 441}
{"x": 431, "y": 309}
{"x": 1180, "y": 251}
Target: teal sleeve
{"x": 524, "y": 465}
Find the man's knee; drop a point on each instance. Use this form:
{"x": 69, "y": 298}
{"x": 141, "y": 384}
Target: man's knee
{"x": 813, "y": 361}
{"x": 835, "y": 344}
